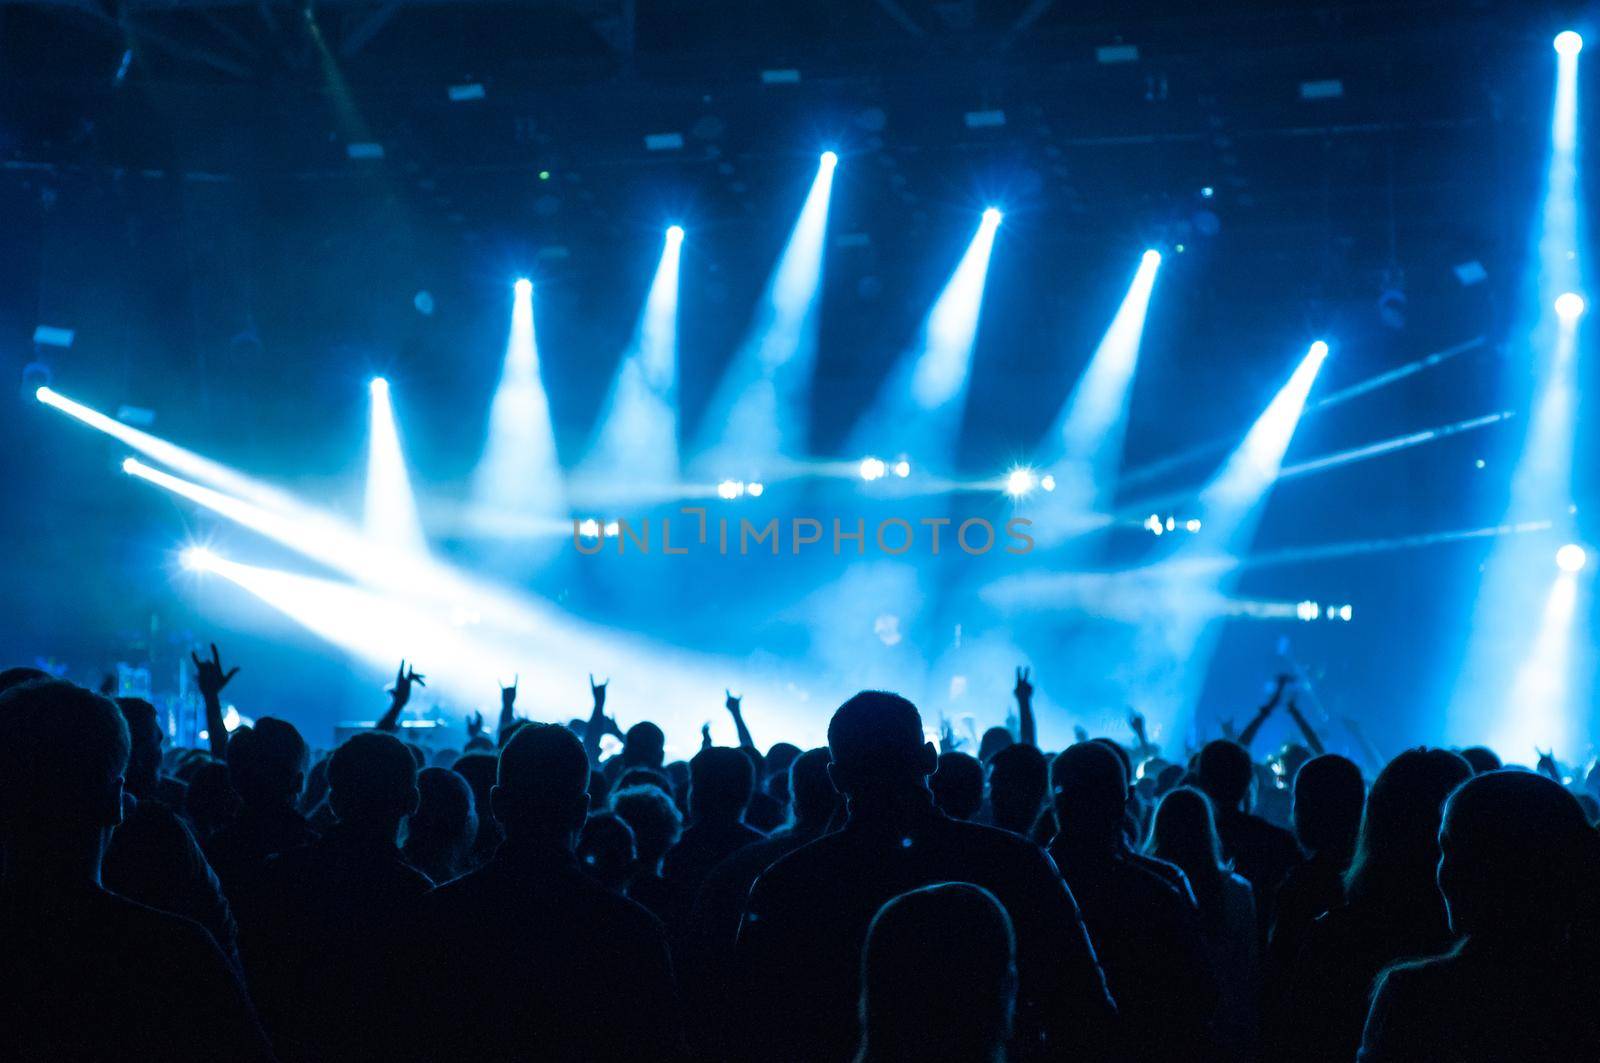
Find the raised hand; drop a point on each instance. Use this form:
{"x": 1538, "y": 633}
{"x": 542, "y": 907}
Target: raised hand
{"x": 209, "y": 676}
{"x": 705, "y": 735}
{"x": 474, "y": 726}
{"x": 1023, "y": 691}
{"x": 400, "y": 693}
{"x": 598, "y": 692}
{"x": 1080, "y": 733}
{"x": 1136, "y": 723}
{"x": 508, "y": 696}
{"x": 948, "y": 742}
{"x": 1547, "y": 764}
{"x": 733, "y": 702}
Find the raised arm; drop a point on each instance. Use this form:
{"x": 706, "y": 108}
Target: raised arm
{"x": 508, "y": 703}
{"x": 1027, "y": 728}
{"x": 399, "y": 697}
{"x": 733, "y": 705}
{"x": 1248, "y": 735}
{"x": 599, "y": 724}
{"x": 1313, "y": 740}
{"x": 210, "y": 678}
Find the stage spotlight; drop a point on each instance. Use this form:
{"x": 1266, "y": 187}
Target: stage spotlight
{"x": 902, "y": 468}
{"x": 197, "y": 559}
{"x": 675, "y": 233}
{"x": 730, "y": 489}
{"x": 523, "y": 287}
{"x": 1152, "y": 257}
{"x": 1568, "y": 42}
{"x": 992, "y": 217}
{"x": 829, "y": 159}
{"x": 1569, "y": 306}
{"x": 872, "y": 469}
{"x": 1346, "y": 613}
{"x": 390, "y": 513}
{"x": 1571, "y": 558}
{"x": 754, "y": 490}
{"x": 589, "y": 528}
{"x": 1019, "y": 482}
{"x": 1047, "y": 482}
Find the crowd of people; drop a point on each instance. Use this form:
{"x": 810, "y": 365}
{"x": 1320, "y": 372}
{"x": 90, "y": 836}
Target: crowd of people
{"x": 881, "y": 899}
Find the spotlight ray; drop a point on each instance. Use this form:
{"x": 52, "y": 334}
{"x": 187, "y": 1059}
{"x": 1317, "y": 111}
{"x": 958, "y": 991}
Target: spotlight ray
{"x": 758, "y": 412}
{"x": 391, "y": 511}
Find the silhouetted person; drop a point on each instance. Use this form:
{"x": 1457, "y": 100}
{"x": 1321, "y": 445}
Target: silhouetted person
{"x": 1518, "y": 870}
{"x": 657, "y": 825}
{"x": 1146, "y": 933}
{"x": 89, "y": 975}
{"x": 1482, "y": 758}
{"x": 153, "y": 857}
{"x": 720, "y": 781}
{"x": 527, "y": 958}
{"x": 319, "y": 940}
{"x": 209, "y": 800}
{"x": 707, "y": 949}
{"x": 643, "y": 746}
{"x": 441, "y": 832}
{"x": 1019, "y": 782}
{"x": 1183, "y": 833}
{"x": 1329, "y": 794}
{"x": 606, "y": 850}
{"x": 775, "y": 770}
{"x": 267, "y": 766}
{"x": 479, "y": 769}
{"x": 807, "y": 916}
{"x": 957, "y": 785}
{"x": 938, "y": 978}
{"x": 1392, "y": 911}
{"x": 993, "y": 741}
{"x": 1259, "y": 851}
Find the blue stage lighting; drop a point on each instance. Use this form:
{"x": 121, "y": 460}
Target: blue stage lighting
{"x": 1568, "y": 42}
{"x": 523, "y": 287}
{"x": 1020, "y": 481}
{"x": 390, "y": 510}
{"x": 872, "y": 469}
{"x": 830, "y": 159}
{"x": 992, "y": 216}
{"x": 1571, "y": 558}
{"x": 378, "y": 385}
{"x": 1569, "y": 306}
{"x": 197, "y": 559}
{"x": 675, "y": 233}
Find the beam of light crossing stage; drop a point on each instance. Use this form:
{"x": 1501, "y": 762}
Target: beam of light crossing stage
{"x": 918, "y": 410}
{"x": 1189, "y": 455}
{"x": 1084, "y": 445}
{"x": 519, "y": 474}
{"x": 1505, "y": 663}
{"x": 759, "y": 412}
{"x": 171, "y": 455}
{"x": 636, "y": 441}
{"x": 390, "y": 516}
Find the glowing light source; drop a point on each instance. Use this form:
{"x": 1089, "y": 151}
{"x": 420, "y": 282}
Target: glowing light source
{"x": 1569, "y": 306}
{"x": 197, "y": 559}
{"x": 1568, "y": 43}
{"x": 872, "y": 469}
{"x": 760, "y": 409}
{"x": 518, "y": 475}
{"x": 902, "y": 468}
{"x": 1020, "y": 482}
{"x": 675, "y": 233}
{"x": 1571, "y": 558}
{"x": 391, "y": 511}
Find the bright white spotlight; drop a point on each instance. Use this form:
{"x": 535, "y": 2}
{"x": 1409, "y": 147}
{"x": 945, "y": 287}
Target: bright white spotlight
{"x": 872, "y": 469}
{"x": 1151, "y": 257}
{"x": 939, "y": 375}
{"x": 518, "y": 475}
{"x": 1569, "y": 306}
{"x": 197, "y": 559}
{"x": 131, "y": 466}
{"x": 1568, "y": 42}
{"x": 390, "y": 516}
{"x": 675, "y": 233}
{"x": 992, "y": 217}
{"x": 755, "y": 490}
{"x": 1571, "y": 558}
{"x": 1047, "y": 482}
{"x": 1020, "y": 481}
{"x": 830, "y": 159}
{"x": 730, "y": 489}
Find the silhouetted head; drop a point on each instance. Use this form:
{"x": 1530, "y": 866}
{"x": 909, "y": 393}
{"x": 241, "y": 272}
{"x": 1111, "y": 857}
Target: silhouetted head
{"x": 644, "y": 746}
{"x": 209, "y": 799}
{"x": 720, "y": 783}
{"x": 1019, "y": 781}
{"x": 645, "y": 777}
{"x": 779, "y": 757}
{"x": 267, "y": 762}
{"x": 446, "y": 819}
{"x": 63, "y": 751}
{"x": 655, "y": 820}
{"x": 1518, "y": 858}
{"x": 599, "y": 790}
{"x": 938, "y": 977}
{"x": 372, "y": 781}
{"x": 144, "y": 756}
{"x": 12, "y": 677}
{"x": 813, "y": 798}
{"x": 993, "y": 741}
{"x": 1184, "y": 833}
{"x": 543, "y": 786}
{"x": 1398, "y": 845}
{"x": 1328, "y": 796}
{"x": 1225, "y": 772}
{"x": 957, "y": 785}
{"x": 1122, "y": 756}
{"x": 876, "y": 745}
{"x": 1482, "y": 759}
{"x": 606, "y": 850}
{"x": 1091, "y": 794}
